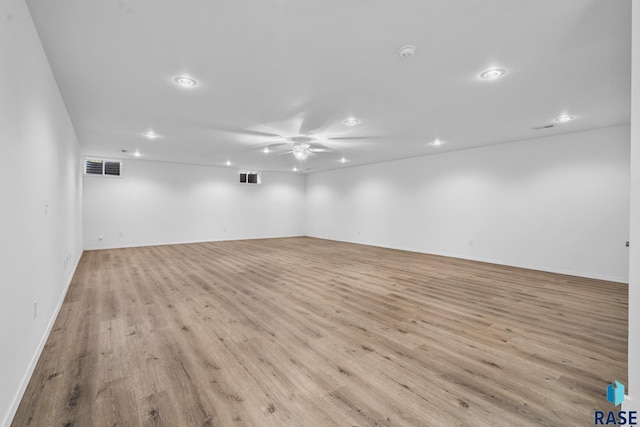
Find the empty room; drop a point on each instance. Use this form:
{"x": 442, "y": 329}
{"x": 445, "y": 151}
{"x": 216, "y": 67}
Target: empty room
{"x": 320, "y": 213}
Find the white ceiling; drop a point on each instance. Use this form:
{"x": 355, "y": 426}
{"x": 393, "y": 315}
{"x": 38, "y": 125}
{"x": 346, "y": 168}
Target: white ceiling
{"x": 268, "y": 70}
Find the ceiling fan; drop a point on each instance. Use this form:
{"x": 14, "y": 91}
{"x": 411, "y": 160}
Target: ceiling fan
{"x": 309, "y": 137}
{"x": 302, "y": 147}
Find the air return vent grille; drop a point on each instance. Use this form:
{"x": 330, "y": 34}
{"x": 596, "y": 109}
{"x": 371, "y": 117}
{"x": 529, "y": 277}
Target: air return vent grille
{"x": 250, "y": 177}
{"x": 99, "y": 167}
{"x": 549, "y": 126}
{"x": 112, "y": 168}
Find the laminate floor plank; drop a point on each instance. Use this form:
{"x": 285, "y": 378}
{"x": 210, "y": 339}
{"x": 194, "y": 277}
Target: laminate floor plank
{"x": 311, "y": 332}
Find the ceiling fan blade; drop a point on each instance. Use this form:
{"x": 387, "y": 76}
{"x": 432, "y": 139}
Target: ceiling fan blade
{"x": 319, "y": 145}
{"x": 251, "y": 132}
{"x": 354, "y": 138}
{"x": 214, "y": 127}
{"x": 267, "y": 148}
{"x": 274, "y": 146}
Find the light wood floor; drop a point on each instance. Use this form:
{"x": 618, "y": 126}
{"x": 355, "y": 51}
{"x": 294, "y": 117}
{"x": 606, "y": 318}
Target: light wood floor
{"x": 309, "y": 332}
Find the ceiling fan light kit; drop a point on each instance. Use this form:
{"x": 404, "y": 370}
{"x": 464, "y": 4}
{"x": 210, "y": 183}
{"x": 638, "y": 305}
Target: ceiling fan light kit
{"x": 301, "y": 151}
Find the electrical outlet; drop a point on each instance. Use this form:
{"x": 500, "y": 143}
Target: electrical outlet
{"x": 120, "y": 234}
{"x": 46, "y": 207}
{"x": 35, "y": 309}
{"x": 100, "y": 238}
{"x": 470, "y": 242}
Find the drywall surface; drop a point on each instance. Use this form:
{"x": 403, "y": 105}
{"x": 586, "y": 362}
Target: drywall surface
{"x": 634, "y": 251}
{"x": 156, "y": 203}
{"x": 40, "y": 183}
{"x": 558, "y": 204}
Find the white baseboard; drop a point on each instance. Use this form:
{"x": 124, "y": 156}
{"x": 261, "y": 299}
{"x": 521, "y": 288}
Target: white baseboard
{"x": 36, "y": 356}
{"x": 486, "y": 260}
{"x": 89, "y": 247}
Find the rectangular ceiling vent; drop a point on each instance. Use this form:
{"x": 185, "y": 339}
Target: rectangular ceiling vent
{"x": 250, "y": 177}
{"x": 100, "y": 167}
{"x": 543, "y": 127}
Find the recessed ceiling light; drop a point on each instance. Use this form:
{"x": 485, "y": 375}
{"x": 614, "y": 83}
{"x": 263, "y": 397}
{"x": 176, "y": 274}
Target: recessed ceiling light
{"x": 151, "y": 134}
{"x": 437, "y": 143}
{"x": 343, "y": 160}
{"x": 185, "y": 81}
{"x": 228, "y": 163}
{"x": 266, "y": 150}
{"x": 407, "y": 51}
{"x": 564, "y": 118}
{"x": 492, "y": 74}
{"x": 137, "y": 153}
{"x": 295, "y": 169}
{"x": 351, "y": 121}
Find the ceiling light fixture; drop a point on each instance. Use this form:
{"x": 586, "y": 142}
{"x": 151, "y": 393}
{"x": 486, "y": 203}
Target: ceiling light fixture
{"x": 151, "y": 134}
{"x": 343, "y": 160}
{"x": 295, "y": 169}
{"x": 185, "y": 81}
{"x": 564, "y": 118}
{"x": 266, "y": 150}
{"x": 492, "y": 74}
{"x": 228, "y": 163}
{"x": 437, "y": 143}
{"x": 137, "y": 154}
{"x": 407, "y": 51}
{"x": 351, "y": 121}
{"x": 301, "y": 151}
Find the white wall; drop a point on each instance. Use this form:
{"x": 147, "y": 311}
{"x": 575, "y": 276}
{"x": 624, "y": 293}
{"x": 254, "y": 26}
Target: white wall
{"x": 557, "y": 204}
{"x": 40, "y": 161}
{"x": 634, "y": 254}
{"x": 160, "y": 203}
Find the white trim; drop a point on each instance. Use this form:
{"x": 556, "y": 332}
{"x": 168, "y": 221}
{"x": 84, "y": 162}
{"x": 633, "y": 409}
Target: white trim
{"x": 544, "y": 269}
{"x": 629, "y": 404}
{"x": 189, "y": 242}
{"x": 36, "y": 357}
{"x": 488, "y": 260}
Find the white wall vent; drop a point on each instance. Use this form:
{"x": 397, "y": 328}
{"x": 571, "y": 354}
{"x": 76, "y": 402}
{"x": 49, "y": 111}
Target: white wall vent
{"x": 99, "y": 167}
{"x": 250, "y": 177}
